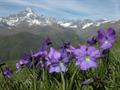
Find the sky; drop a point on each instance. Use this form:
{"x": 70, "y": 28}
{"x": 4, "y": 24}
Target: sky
{"x": 65, "y": 9}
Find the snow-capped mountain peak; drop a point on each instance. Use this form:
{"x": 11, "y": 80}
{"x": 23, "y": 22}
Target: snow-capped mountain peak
{"x": 26, "y": 16}
{"x": 28, "y": 10}
{"x": 30, "y": 18}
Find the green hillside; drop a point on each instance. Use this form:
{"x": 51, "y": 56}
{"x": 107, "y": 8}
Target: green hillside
{"x": 12, "y": 46}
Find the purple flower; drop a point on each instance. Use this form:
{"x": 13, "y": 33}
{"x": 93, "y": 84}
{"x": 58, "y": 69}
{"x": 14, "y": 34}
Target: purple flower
{"x": 39, "y": 58}
{"x": 67, "y": 51}
{"x": 64, "y": 56}
{"x": 56, "y": 61}
{"x": 40, "y": 62}
{"x": 66, "y": 45}
{"x": 46, "y": 43}
{"x": 92, "y": 41}
{"x": 86, "y": 57}
{"x": 57, "y": 67}
{"x": 105, "y": 51}
{"x": 25, "y": 60}
{"x": 70, "y": 49}
{"x": 39, "y": 53}
{"x": 7, "y": 72}
{"x": 18, "y": 66}
{"x": 106, "y": 38}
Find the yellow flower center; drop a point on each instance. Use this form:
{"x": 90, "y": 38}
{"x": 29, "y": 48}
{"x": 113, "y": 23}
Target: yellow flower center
{"x": 87, "y": 58}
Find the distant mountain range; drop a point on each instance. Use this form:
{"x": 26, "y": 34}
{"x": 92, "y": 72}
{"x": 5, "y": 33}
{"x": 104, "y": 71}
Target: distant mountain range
{"x": 29, "y": 18}
{"x": 19, "y": 33}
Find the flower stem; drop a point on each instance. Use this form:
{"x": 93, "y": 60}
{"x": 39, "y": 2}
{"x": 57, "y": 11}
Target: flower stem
{"x": 63, "y": 81}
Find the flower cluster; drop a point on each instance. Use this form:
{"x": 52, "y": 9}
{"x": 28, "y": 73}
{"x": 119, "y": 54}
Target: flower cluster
{"x": 85, "y": 55}
{"x": 36, "y": 58}
{"x": 57, "y": 60}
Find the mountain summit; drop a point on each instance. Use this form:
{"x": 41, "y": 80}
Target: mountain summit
{"x": 29, "y": 18}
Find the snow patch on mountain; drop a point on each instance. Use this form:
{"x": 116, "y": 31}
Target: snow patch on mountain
{"x": 0, "y": 19}
{"x": 99, "y": 23}
{"x": 11, "y": 21}
{"x": 74, "y": 26}
{"x": 67, "y": 24}
{"x": 87, "y": 25}
{"x": 30, "y": 12}
{"x": 34, "y": 22}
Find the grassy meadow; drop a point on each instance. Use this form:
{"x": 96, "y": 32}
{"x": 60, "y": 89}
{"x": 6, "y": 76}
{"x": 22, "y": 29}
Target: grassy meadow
{"x": 105, "y": 77}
